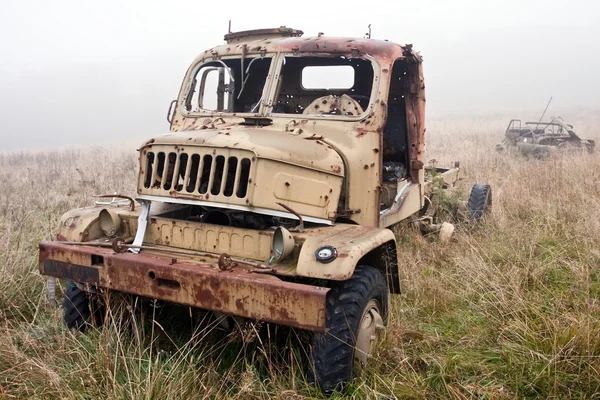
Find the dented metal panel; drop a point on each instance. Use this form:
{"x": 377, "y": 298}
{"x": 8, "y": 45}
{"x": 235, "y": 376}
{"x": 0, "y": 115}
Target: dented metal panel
{"x": 352, "y": 243}
{"x": 301, "y": 148}
{"x": 82, "y": 224}
{"x": 238, "y": 291}
{"x": 357, "y": 140}
{"x": 258, "y": 169}
{"x": 237, "y": 242}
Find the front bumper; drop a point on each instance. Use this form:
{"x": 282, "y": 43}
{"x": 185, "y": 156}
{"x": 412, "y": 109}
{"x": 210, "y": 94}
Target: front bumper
{"x": 238, "y": 291}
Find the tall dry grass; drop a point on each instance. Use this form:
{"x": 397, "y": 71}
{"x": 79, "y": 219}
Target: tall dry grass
{"x": 509, "y": 309}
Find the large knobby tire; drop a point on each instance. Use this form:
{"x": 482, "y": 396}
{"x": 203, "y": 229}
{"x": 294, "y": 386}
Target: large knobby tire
{"x": 80, "y": 308}
{"x": 359, "y": 301}
{"x": 480, "y": 201}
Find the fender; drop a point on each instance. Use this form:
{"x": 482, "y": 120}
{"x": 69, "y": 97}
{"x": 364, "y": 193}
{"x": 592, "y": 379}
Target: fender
{"x": 81, "y": 224}
{"x": 354, "y": 244}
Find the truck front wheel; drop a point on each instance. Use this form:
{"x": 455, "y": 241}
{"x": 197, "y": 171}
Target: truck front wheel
{"x": 80, "y": 308}
{"x": 357, "y": 311}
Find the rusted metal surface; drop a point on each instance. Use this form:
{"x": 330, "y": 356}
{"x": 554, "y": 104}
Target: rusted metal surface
{"x": 323, "y": 157}
{"x": 352, "y": 243}
{"x": 256, "y": 34}
{"x": 82, "y": 224}
{"x": 300, "y": 226}
{"x": 208, "y": 166}
{"x": 239, "y": 291}
{"x": 356, "y": 137}
{"x": 225, "y": 262}
{"x": 74, "y": 272}
{"x": 415, "y": 119}
{"x": 209, "y": 238}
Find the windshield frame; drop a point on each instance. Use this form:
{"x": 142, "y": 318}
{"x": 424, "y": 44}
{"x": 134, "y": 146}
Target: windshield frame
{"x": 188, "y": 86}
{"x": 275, "y": 86}
{"x": 271, "y": 87}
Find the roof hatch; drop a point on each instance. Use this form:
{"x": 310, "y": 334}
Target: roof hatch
{"x": 258, "y": 34}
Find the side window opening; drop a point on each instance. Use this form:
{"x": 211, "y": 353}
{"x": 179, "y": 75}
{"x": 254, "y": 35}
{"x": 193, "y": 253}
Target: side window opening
{"x": 324, "y": 86}
{"x": 220, "y": 86}
{"x": 395, "y": 140}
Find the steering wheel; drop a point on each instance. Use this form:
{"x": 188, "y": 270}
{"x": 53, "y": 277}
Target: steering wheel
{"x": 336, "y": 105}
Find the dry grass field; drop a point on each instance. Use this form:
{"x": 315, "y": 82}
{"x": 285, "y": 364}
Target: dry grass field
{"x": 509, "y": 309}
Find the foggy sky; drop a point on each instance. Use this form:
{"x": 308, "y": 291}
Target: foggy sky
{"x": 75, "y": 72}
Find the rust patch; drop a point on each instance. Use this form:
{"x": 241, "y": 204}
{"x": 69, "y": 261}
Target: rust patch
{"x": 360, "y": 132}
{"x": 202, "y": 285}
{"x": 314, "y": 137}
{"x": 225, "y": 263}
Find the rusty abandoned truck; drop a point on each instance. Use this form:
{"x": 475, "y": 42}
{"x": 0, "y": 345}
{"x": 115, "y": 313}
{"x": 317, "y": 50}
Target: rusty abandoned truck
{"x": 540, "y": 139}
{"x": 288, "y": 160}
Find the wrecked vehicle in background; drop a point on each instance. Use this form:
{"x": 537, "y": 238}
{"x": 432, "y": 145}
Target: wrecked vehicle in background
{"x": 272, "y": 198}
{"x": 540, "y": 139}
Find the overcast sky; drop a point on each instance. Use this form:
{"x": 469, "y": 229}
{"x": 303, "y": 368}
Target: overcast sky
{"x": 74, "y": 72}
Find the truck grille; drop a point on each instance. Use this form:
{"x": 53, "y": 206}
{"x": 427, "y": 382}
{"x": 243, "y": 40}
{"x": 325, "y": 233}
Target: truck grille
{"x": 214, "y": 173}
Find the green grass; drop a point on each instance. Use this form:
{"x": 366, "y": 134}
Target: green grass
{"x": 508, "y": 309}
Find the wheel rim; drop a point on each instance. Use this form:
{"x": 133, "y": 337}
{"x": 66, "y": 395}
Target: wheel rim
{"x": 370, "y": 330}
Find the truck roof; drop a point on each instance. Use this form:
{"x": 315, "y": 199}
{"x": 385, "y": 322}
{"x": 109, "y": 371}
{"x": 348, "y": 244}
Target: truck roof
{"x": 290, "y": 41}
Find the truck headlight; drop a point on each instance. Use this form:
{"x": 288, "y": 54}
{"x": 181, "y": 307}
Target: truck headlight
{"x": 109, "y": 222}
{"x": 283, "y": 244}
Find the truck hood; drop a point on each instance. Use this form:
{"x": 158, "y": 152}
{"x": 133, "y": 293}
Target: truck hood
{"x": 305, "y": 150}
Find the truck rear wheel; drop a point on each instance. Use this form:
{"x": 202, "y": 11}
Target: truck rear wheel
{"x": 80, "y": 308}
{"x": 357, "y": 311}
{"x": 480, "y": 201}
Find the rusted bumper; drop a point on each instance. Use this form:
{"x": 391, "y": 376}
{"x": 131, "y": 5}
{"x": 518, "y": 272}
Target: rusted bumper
{"x": 203, "y": 285}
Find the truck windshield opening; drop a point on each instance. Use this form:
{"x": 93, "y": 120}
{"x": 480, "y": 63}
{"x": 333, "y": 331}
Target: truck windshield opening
{"x": 231, "y": 85}
{"x": 324, "y": 86}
